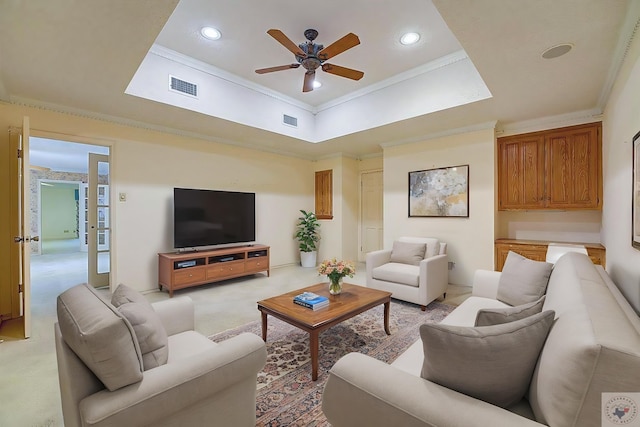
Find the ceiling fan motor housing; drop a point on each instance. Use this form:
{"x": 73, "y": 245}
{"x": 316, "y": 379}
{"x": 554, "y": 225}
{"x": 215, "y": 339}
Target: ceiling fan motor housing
{"x": 311, "y": 62}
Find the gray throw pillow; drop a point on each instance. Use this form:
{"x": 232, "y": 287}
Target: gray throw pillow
{"x": 408, "y": 253}
{"x": 490, "y": 363}
{"x": 124, "y": 294}
{"x": 150, "y": 333}
{"x": 100, "y": 336}
{"x": 523, "y": 280}
{"x": 497, "y": 316}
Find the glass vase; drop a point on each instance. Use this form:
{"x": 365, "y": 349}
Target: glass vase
{"x": 335, "y": 285}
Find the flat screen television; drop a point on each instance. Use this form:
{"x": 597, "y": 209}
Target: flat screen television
{"x": 212, "y": 218}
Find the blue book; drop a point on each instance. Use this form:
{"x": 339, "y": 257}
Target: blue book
{"x": 309, "y": 299}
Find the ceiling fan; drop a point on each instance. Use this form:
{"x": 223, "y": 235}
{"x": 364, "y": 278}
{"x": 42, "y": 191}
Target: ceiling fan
{"x": 312, "y": 56}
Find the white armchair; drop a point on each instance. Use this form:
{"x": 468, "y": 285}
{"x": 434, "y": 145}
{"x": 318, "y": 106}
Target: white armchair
{"x": 102, "y": 382}
{"x": 415, "y": 270}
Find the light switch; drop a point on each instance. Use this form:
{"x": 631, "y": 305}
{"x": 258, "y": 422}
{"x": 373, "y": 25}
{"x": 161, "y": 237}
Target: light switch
{"x": 122, "y": 197}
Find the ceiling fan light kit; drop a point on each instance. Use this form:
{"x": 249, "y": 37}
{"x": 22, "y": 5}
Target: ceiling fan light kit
{"x": 313, "y": 56}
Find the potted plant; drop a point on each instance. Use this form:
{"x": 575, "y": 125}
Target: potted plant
{"x": 308, "y": 235}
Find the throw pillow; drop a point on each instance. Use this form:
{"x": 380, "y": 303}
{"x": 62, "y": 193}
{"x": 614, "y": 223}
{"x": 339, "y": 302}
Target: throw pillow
{"x": 150, "y": 333}
{"x": 124, "y": 294}
{"x": 100, "y": 336}
{"x": 408, "y": 253}
{"x": 523, "y": 280}
{"x": 497, "y": 316}
{"x": 491, "y": 363}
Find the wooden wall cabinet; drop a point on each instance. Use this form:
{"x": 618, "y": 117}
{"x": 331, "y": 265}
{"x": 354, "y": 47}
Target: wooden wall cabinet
{"x": 537, "y": 250}
{"x": 324, "y": 194}
{"x": 183, "y": 270}
{"x": 554, "y": 169}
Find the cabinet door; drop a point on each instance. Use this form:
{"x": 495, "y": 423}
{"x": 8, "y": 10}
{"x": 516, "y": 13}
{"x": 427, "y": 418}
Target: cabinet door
{"x": 521, "y": 172}
{"x": 573, "y": 157}
{"x": 531, "y": 251}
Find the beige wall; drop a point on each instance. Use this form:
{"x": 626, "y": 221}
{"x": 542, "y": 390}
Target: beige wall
{"x": 621, "y": 123}
{"x": 146, "y": 165}
{"x": 470, "y": 240}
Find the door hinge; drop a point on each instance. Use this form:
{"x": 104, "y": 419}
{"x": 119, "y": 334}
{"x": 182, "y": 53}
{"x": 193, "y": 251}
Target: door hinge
{"x": 20, "y": 287}
{"x": 19, "y": 153}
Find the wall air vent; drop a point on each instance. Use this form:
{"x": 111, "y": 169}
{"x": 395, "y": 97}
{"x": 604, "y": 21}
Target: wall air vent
{"x": 183, "y": 87}
{"x": 290, "y": 121}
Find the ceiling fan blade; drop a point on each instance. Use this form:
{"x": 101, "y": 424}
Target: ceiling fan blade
{"x": 339, "y": 46}
{"x": 309, "y": 78}
{"x": 278, "y": 68}
{"x": 286, "y": 42}
{"x": 342, "y": 71}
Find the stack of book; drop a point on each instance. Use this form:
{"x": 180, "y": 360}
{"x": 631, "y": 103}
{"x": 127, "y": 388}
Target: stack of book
{"x": 311, "y": 300}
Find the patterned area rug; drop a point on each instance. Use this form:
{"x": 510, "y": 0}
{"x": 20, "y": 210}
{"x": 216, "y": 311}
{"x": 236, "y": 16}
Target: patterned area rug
{"x": 286, "y": 395}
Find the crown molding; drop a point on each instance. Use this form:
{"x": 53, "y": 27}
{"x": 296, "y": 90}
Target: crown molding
{"x": 550, "y": 122}
{"x": 442, "y": 134}
{"x": 142, "y": 125}
{"x": 203, "y": 67}
{"x": 444, "y": 61}
{"x": 628, "y": 33}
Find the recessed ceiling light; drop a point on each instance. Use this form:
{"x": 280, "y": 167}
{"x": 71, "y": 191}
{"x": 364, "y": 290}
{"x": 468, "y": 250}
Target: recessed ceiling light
{"x": 409, "y": 38}
{"x": 556, "y": 51}
{"x": 316, "y": 84}
{"x": 210, "y": 33}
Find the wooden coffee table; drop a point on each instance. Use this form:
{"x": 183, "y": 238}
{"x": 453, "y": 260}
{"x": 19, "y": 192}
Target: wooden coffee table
{"x": 352, "y": 301}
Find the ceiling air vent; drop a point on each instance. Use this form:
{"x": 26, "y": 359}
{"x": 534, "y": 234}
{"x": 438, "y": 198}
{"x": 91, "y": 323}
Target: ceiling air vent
{"x": 289, "y": 120}
{"x": 183, "y": 87}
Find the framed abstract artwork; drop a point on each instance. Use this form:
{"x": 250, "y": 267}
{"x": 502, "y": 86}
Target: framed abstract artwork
{"x": 635, "y": 197}
{"x": 442, "y": 192}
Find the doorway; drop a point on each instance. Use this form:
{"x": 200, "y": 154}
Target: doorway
{"x": 371, "y": 212}
{"x": 59, "y": 199}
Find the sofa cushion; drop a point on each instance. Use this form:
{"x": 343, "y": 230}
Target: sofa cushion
{"x": 491, "y": 363}
{"x": 100, "y": 336}
{"x": 497, "y": 316}
{"x": 408, "y": 253}
{"x": 594, "y": 346}
{"x": 150, "y": 333}
{"x": 523, "y": 280}
{"x": 398, "y": 273}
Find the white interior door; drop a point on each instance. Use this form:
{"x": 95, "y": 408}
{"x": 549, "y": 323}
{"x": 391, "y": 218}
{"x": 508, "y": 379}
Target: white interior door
{"x": 99, "y": 222}
{"x": 371, "y": 211}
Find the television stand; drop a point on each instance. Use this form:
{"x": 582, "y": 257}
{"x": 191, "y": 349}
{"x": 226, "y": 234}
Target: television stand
{"x": 187, "y": 269}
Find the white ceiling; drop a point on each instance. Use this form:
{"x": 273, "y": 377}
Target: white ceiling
{"x": 245, "y": 45}
{"x": 80, "y": 57}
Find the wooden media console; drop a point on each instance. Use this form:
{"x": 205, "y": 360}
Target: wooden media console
{"x": 183, "y": 270}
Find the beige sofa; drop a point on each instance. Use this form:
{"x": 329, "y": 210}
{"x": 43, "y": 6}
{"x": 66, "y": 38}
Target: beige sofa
{"x": 106, "y": 381}
{"x": 592, "y": 348}
{"x": 418, "y": 279}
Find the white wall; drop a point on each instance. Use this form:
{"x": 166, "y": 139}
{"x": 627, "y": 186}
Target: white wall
{"x": 147, "y": 173}
{"x": 470, "y": 240}
{"x": 621, "y": 123}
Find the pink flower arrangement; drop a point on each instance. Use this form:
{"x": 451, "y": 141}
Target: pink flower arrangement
{"x": 336, "y": 270}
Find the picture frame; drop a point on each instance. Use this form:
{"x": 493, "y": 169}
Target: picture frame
{"x": 442, "y": 192}
{"x": 635, "y": 197}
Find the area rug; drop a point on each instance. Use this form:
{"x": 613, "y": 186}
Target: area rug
{"x": 286, "y": 396}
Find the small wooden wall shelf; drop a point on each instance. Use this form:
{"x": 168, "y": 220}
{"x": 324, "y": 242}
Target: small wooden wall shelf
{"x": 183, "y": 270}
{"x": 537, "y": 250}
